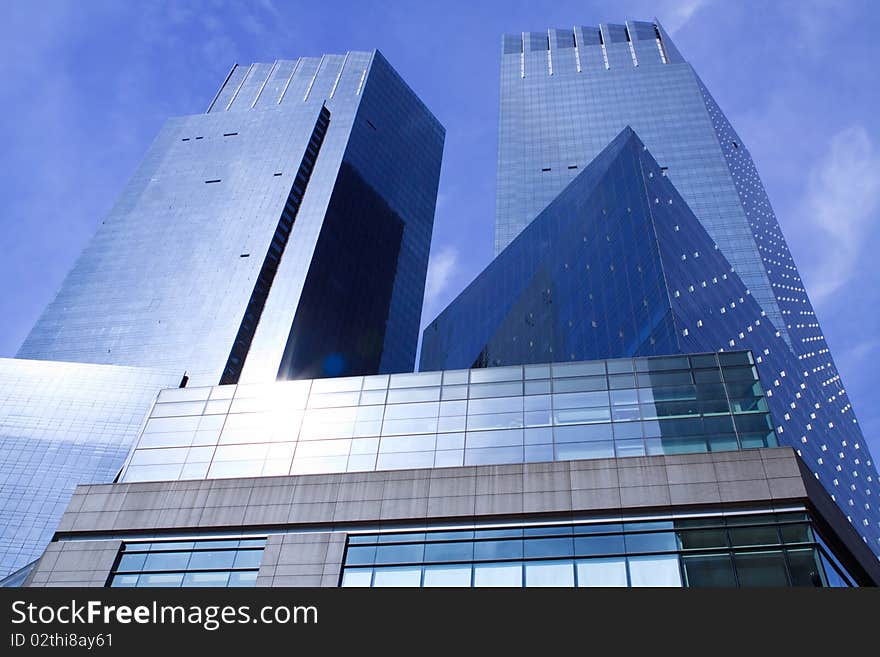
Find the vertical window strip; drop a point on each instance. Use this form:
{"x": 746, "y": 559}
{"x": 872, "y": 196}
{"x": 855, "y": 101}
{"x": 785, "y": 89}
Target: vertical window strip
{"x": 240, "y": 85}
{"x": 361, "y": 83}
{"x": 604, "y": 51}
{"x": 660, "y": 46}
{"x": 522, "y": 56}
{"x": 260, "y": 293}
{"x": 577, "y": 52}
{"x": 549, "y": 53}
{"x": 314, "y": 77}
{"x": 265, "y": 82}
{"x": 632, "y": 49}
{"x": 222, "y": 87}
{"x": 338, "y": 75}
{"x": 287, "y": 84}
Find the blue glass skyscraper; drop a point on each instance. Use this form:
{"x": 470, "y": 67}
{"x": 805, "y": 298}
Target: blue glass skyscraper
{"x": 283, "y": 233}
{"x": 565, "y": 95}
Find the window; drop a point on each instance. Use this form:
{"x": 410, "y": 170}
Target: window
{"x": 602, "y": 572}
{"x": 221, "y": 562}
{"x": 694, "y": 552}
{"x": 498, "y": 574}
{"x": 661, "y": 570}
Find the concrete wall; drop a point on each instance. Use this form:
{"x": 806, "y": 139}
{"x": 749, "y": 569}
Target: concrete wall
{"x": 327, "y": 505}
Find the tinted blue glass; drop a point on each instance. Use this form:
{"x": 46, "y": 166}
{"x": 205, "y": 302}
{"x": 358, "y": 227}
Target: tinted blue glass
{"x": 208, "y": 215}
{"x": 548, "y": 547}
{"x": 491, "y": 550}
{"x": 438, "y": 552}
{"x": 600, "y": 257}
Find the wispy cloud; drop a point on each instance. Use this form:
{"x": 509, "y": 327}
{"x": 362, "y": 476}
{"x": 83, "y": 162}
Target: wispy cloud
{"x": 674, "y": 15}
{"x": 841, "y": 202}
{"x": 440, "y": 269}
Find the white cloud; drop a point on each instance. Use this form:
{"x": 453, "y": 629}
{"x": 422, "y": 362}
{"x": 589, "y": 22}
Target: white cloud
{"x": 440, "y": 269}
{"x": 676, "y": 14}
{"x": 841, "y": 202}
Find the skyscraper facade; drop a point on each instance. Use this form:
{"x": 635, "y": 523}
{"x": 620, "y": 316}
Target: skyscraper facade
{"x": 646, "y": 471}
{"x": 610, "y": 405}
{"x": 282, "y": 233}
{"x": 565, "y": 95}
{"x": 62, "y": 424}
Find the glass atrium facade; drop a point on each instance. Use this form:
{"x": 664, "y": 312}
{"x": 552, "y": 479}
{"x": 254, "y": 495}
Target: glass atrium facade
{"x": 61, "y": 424}
{"x": 563, "y": 411}
{"x": 565, "y": 95}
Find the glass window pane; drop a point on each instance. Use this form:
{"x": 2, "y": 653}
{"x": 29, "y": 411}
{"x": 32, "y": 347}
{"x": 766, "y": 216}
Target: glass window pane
{"x": 124, "y": 581}
{"x": 504, "y": 438}
{"x": 455, "y": 377}
{"x": 582, "y": 433}
{"x": 494, "y": 550}
{"x": 804, "y": 567}
{"x": 450, "y": 441}
{"x": 167, "y": 561}
{"x": 703, "y": 538}
{"x": 538, "y": 453}
{"x": 766, "y": 568}
{"x": 401, "y": 576}
{"x": 654, "y": 571}
{"x": 493, "y": 455}
{"x": 550, "y": 573}
{"x": 400, "y": 553}
{"x": 212, "y": 559}
{"x": 754, "y": 536}
{"x": 157, "y": 579}
{"x": 132, "y": 562}
{"x": 206, "y": 579}
{"x": 589, "y": 545}
{"x": 449, "y": 551}
{"x": 357, "y": 577}
{"x": 708, "y": 570}
{"x": 548, "y": 547}
{"x": 658, "y": 542}
{"x": 495, "y": 421}
{"x": 493, "y": 374}
{"x": 578, "y": 369}
{"x": 573, "y": 451}
{"x": 498, "y": 574}
{"x": 413, "y": 395}
{"x": 799, "y": 533}
{"x": 248, "y": 559}
{"x": 449, "y": 459}
{"x": 437, "y": 576}
{"x": 601, "y": 572}
{"x": 242, "y": 579}
{"x": 482, "y": 390}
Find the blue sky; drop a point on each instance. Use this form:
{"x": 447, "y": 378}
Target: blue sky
{"x": 88, "y": 83}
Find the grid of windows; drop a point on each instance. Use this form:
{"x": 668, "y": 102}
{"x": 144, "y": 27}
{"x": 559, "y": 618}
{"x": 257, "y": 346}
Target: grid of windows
{"x": 755, "y": 549}
{"x": 549, "y": 121}
{"x": 216, "y": 562}
{"x": 563, "y": 411}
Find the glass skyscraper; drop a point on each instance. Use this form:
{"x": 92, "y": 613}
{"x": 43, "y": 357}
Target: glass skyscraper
{"x": 614, "y": 401}
{"x": 283, "y": 233}
{"x": 565, "y": 95}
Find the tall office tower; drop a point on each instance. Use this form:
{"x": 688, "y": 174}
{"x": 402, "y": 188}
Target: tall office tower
{"x": 564, "y": 96}
{"x": 646, "y": 471}
{"x": 282, "y": 233}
